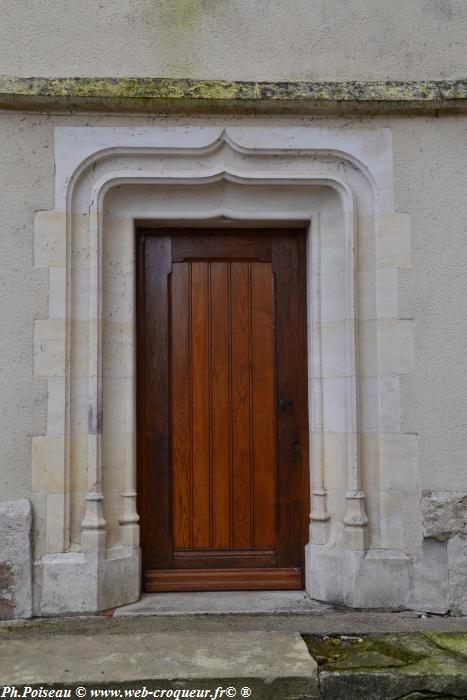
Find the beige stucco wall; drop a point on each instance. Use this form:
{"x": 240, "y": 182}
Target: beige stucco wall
{"x": 235, "y": 39}
{"x": 430, "y": 183}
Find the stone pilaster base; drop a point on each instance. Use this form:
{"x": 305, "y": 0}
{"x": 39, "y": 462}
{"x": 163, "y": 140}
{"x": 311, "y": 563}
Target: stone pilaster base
{"x": 86, "y": 582}
{"x": 376, "y": 578}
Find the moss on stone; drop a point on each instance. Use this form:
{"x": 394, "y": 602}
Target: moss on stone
{"x": 452, "y": 642}
{"x": 418, "y": 653}
{"x": 150, "y": 94}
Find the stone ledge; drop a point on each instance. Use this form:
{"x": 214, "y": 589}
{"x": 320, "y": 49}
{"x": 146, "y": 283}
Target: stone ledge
{"x": 163, "y": 95}
{"x": 391, "y": 666}
{"x": 272, "y": 664}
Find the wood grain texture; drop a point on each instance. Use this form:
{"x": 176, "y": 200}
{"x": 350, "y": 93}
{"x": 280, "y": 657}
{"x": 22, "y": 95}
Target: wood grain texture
{"x": 221, "y": 337}
{"x": 241, "y": 405}
{"x": 200, "y": 360}
{"x": 153, "y": 401}
{"x": 181, "y": 406}
{"x": 221, "y": 437}
{"x": 263, "y": 455}
{"x": 224, "y": 580}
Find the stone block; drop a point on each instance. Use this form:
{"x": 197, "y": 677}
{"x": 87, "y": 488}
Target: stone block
{"x": 121, "y": 578}
{"x": 86, "y": 582}
{"x": 444, "y": 514}
{"x": 393, "y": 340}
{"x": 15, "y": 559}
{"x": 457, "y": 560}
{"x": 392, "y": 666}
{"x": 382, "y": 579}
{"x": 397, "y": 456}
{"x": 47, "y": 463}
{"x": 270, "y": 664}
{"x": 380, "y": 404}
{"x": 50, "y": 239}
{"x": 56, "y": 406}
{"x": 378, "y": 293}
{"x": 55, "y": 532}
{"x": 65, "y": 583}
{"x": 325, "y": 573}
{"x": 378, "y": 578}
{"x": 57, "y": 293}
{"x": 49, "y": 348}
{"x": 430, "y": 578}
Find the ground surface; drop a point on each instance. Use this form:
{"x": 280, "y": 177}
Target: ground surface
{"x": 277, "y": 645}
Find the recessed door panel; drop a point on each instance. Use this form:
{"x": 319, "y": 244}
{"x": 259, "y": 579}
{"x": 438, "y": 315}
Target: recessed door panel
{"x": 222, "y": 414}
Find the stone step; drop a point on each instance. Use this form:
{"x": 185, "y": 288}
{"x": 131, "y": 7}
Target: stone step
{"x": 391, "y": 666}
{"x": 129, "y": 654}
{"x": 272, "y": 665}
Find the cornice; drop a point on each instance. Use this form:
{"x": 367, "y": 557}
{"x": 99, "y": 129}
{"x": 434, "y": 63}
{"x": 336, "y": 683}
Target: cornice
{"x": 174, "y": 95}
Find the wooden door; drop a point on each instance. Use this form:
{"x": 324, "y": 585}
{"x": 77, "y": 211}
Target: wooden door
{"x": 222, "y": 409}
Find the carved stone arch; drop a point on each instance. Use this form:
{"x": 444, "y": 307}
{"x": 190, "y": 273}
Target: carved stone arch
{"x": 244, "y": 174}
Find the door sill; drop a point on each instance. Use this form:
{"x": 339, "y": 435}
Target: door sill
{"x": 221, "y": 603}
{"x": 254, "y": 579}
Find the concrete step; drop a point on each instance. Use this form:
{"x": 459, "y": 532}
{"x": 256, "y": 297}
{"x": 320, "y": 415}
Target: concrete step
{"x": 261, "y": 665}
{"x": 224, "y": 603}
{"x": 268, "y": 655}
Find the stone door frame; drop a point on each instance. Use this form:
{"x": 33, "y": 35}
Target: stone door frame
{"x": 337, "y": 182}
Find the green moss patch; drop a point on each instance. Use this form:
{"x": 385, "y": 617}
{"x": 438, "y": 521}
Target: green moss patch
{"x": 169, "y": 94}
{"x": 391, "y": 666}
{"x": 402, "y": 653}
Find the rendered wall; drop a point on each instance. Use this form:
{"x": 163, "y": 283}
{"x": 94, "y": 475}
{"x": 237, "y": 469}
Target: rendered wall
{"x": 235, "y": 39}
{"x": 430, "y": 186}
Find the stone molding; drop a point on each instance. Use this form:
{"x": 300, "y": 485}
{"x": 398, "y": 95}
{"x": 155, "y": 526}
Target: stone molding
{"x": 339, "y": 184}
{"x": 162, "y": 95}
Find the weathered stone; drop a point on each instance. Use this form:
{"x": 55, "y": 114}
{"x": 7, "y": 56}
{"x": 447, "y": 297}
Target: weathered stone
{"x": 444, "y": 514}
{"x": 272, "y": 664}
{"x": 15, "y": 559}
{"x": 457, "y": 558}
{"x": 391, "y": 666}
{"x": 84, "y": 582}
{"x": 6, "y": 591}
{"x": 174, "y": 94}
{"x": 382, "y": 580}
{"x": 455, "y": 643}
{"x": 430, "y": 578}
{"x": 378, "y": 578}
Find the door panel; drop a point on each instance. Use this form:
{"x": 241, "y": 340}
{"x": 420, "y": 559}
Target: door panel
{"x": 221, "y": 431}
{"x": 220, "y": 341}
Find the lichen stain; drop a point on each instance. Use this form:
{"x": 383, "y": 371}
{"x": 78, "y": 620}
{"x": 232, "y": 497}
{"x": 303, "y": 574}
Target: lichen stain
{"x": 184, "y": 13}
{"x": 114, "y": 94}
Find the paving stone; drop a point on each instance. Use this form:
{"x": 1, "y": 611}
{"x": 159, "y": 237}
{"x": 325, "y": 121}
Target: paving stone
{"x": 274, "y": 665}
{"x": 391, "y": 666}
{"x": 223, "y": 603}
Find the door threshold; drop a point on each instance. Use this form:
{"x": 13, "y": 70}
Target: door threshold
{"x": 223, "y": 603}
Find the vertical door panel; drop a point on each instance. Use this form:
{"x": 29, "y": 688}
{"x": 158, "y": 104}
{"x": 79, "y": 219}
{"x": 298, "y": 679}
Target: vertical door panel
{"x": 200, "y": 354}
{"x": 241, "y": 405}
{"x": 181, "y": 405}
{"x": 220, "y": 405}
{"x": 263, "y": 406}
